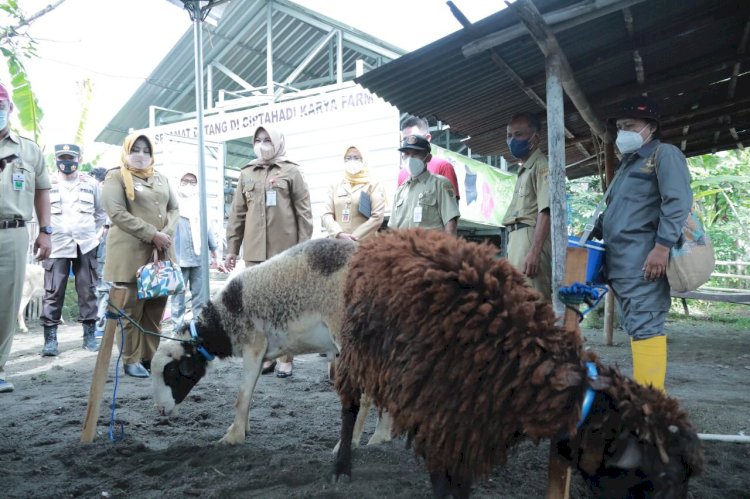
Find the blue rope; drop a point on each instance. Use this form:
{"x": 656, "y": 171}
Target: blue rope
{"x": 588, "y": 397}
{"x": 114, "y": 435}
{"x": 578, "y": 293}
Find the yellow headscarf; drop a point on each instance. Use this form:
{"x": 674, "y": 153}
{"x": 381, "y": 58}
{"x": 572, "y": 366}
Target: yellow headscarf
{"x": 363, "y": 177}
{"x": 128, "y": 171}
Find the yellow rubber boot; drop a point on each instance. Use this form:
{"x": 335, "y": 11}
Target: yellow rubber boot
{"x": 650, "y": 361}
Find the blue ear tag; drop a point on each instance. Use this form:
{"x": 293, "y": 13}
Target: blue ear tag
{"x": 206, "y": 354}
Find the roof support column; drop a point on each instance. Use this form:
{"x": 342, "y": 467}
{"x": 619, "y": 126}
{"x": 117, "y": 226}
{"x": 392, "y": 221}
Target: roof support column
{"x": 269, "y": 48}
{"x": 556, "y": 153}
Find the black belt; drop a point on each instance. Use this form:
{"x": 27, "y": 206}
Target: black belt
{"x": 512, "y": 227}
{"x": 12, "y": 224}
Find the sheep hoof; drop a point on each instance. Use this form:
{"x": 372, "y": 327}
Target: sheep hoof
{"x": 232, "y": 437}
{"x": 344, "y": 478}
{"x": 376, "y": 439}
{"x": 338, "y": 444}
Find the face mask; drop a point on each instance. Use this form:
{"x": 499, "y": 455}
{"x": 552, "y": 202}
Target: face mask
{"x": 187, "y": 191}
{"x": 519, "y": 148}
{"x": 263, "y": 150}
{"x": 414, "y": 165}
{"x": 353, "y": 167}
{"x": 628, "y": 141}
{"x": 67, "y": 166}
{"x": 138, "y": 160}
{"x": 3, "y": 119}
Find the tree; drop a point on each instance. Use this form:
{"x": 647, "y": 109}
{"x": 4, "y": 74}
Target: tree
{"x": 16, "y": 45}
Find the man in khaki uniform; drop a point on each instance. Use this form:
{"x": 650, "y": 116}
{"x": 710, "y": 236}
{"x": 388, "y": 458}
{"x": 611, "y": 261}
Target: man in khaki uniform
{"x": 528, "y": 217}
{"x": 425, "y": 200}
{"x": 24, "y": 186}
{"x": 270, "y": 213}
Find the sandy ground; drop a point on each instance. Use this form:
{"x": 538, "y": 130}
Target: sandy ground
{"x": 294, "y": 425}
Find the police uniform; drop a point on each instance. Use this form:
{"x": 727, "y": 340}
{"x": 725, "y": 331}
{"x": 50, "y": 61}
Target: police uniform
{"x": 530, "y": 197}
{"x": 19, "y": 179}
{"x": 426, "y": 201}
{"x": 77, "y": 216}
{"x": 270, "y": 213}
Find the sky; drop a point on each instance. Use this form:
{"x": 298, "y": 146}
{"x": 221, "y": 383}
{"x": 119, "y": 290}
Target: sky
{"x": 118, "y": 47}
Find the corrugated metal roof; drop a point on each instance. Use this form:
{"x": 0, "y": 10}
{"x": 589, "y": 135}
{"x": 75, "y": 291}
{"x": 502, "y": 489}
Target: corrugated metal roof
{"x": 239, "y": 44}
{"x": 689, "y": 50}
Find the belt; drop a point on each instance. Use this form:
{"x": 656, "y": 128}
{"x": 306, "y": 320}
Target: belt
{"x": 12, "y": 224}
{"x": 512, "y": 227}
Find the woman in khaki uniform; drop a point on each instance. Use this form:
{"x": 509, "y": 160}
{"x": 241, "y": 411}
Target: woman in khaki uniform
{"x": 144, "y": 215}
{"x": 342, "y": 217}
{"x": 270, "y": 212}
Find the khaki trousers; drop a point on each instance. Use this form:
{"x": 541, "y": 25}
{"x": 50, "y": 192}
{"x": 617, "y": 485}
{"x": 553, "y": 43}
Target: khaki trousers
{"x": 519, "y": 245}
{"x": 148, "y": 314}
{"x": 14, "y": 244}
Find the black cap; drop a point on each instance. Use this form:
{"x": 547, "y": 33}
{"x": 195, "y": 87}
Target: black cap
{"x": 638, "y": 107}
{"x": 71, "y": 149}
{"x": 99, "y": 173}
{"x": 415, "y": 143}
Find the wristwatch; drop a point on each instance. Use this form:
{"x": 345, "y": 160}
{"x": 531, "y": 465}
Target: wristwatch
{"x": 47, "y": 229}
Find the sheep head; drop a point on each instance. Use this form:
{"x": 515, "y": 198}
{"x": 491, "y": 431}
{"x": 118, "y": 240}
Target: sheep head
{"x": 636, "y": 442}
{"x": 175, "y": 370}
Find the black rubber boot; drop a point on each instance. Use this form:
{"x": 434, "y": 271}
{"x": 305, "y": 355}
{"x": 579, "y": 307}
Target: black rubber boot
{"x": 50, "y": 342}
{"x": 89, "y": 337}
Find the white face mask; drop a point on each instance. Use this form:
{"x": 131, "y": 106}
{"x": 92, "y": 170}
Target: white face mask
{"x": 188, "y": 191}
{"x": 263, "y": 150}
{"x": 628, "y": 141}
{"x": 3, "y": 119}
{"x": 138, "y": 160}
{"x": 353, "y": 167}
{"x": 414, "y": 165}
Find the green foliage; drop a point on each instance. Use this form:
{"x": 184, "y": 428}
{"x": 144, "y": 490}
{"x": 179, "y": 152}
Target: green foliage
{"x": 583, "y": 196}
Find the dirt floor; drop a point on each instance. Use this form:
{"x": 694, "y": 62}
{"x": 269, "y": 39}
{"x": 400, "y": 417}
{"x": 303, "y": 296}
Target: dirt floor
{"x": 294, "y": 424}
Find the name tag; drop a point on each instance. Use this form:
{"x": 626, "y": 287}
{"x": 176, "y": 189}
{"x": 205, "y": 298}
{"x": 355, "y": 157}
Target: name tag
{"x": 19, "y": 181}
{"x": 346, "y": 215}
{"x": 417, "y": 215}
{"x": 271, "y": 197}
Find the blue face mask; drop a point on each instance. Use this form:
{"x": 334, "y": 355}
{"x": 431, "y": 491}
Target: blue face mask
{"x": 519, "y": 148}
{"x": 3, "y": 118}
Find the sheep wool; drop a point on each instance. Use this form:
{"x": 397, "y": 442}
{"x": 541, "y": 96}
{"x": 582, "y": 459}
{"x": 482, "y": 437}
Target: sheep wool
{"x": 465, "y": 357}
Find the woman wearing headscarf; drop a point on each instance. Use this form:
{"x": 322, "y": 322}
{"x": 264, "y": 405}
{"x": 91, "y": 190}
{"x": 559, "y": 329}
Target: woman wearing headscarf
{"x": 355, "y": 205}
{"x": 144, "y": 215}
{"x": 270, "y": 212}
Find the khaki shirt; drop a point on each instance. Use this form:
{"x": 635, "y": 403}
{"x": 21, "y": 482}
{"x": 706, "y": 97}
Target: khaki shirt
{"x": 135, "y": 222}
{"x": 341, "y": 212}
{"x": 77, "y": 215}
{"x": 29, "y": 173}
{"x": 260, "y": 227}
{"x": 426, "y": 201}
{"x": 531, "y": 194}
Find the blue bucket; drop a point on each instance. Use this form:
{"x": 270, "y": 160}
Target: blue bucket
{"x": 594, "y": 261}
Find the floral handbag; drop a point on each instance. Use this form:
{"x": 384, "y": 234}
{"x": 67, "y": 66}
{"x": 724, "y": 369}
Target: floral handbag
{"x": 159, "y": 278}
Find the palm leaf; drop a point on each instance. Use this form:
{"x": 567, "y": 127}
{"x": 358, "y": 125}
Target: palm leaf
{"x": 24, "y": 100}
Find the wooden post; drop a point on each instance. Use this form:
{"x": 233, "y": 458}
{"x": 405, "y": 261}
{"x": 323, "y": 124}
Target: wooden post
{"x": 609, "y": 300}
{"x": 556, "y": 158}
{"x": 118, "y": 295}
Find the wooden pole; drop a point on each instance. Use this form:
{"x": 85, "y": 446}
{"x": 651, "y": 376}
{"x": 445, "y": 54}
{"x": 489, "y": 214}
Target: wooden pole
{"x": 556, "y": 157}
{"x": 609, "y": 300}
{"x": 118, "y": 295}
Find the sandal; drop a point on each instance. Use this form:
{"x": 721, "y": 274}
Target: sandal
{"x": 284, "y": 374}
{"x": 268, "y": 367}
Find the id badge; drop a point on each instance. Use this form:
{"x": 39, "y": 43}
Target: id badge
{"x": 417, "y": 215}
{"x": 19, "y": 181}
{"x": 346, "y": 215}
{"x": 271, "y": 197}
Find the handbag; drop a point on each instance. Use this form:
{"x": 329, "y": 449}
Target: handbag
{"x": 159, "y": 278}
{"x": 692, "y": 259}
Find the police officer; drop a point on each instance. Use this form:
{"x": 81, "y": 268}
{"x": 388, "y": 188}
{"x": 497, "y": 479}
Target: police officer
{"x": 425, "y": 200}
{"x": 77, "y": 217}
{"x": 528, "y": 217}
{"x": 24, "y": 185}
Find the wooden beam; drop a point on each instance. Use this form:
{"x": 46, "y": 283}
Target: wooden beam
{"x": 118, "y": 295}
{"x": 549, "y": 45}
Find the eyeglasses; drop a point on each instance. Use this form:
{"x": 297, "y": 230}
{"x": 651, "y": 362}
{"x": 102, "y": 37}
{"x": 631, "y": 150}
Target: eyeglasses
{"x": 188, "y": 182}
{"x": 352, "y": 158}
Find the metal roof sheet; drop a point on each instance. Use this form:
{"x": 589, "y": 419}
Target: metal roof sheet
{"x": 689, "y": 50}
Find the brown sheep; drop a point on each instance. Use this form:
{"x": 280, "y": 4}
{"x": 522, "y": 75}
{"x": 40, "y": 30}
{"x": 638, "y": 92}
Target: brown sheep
{"x": 455, "y": 346}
